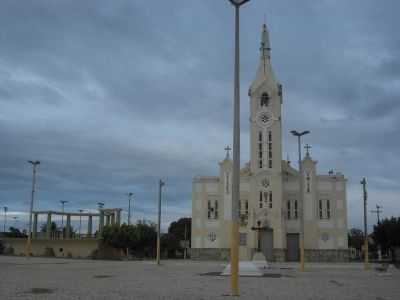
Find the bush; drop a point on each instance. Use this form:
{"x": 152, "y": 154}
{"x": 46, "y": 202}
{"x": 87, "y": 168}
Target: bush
{"x": 1, "y": 247}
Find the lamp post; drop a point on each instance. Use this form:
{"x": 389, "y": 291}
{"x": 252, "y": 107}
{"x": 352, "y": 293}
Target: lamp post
{"x": 365, "y": 195}
{"x": 160, "y": 185}
{"x": 62, "y": 216}
{"x": 299, "y": 135}
{"x": 129, "y": 207}
{"x": 29, "y": 241}
{"x": 100, "y": 205}
{"x": 234, "y": 279}
{"x": 5, "y": 217}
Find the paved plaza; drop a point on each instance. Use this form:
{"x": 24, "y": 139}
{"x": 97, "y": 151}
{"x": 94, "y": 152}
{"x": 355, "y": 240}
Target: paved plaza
{"x": 46, "y": 278}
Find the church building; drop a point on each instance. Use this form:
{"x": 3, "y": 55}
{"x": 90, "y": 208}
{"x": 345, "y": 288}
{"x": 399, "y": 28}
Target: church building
{"x": 270, "y": 210}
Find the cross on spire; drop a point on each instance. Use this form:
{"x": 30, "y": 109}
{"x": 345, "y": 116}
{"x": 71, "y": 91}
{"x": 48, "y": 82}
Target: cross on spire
{"x": 307, "y": 147}
{"x": 227, "y": 149}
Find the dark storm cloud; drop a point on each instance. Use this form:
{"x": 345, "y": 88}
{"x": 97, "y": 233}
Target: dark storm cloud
{"x": 112, "y": 95}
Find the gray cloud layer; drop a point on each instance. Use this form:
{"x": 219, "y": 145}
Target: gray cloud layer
{"x": 112, "y": 95}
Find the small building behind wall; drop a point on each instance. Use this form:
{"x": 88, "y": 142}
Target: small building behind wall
{"x": 64, "y": 243}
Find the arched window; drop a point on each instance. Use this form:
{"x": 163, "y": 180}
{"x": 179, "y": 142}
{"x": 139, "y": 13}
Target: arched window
{"x": 264, "y": 100}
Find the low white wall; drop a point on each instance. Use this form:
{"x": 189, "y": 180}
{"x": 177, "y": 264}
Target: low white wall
{"x": 62, "y": 248}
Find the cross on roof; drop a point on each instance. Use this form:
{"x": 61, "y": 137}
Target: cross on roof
{"x": 307, "y": 147}
{"x": 227, "y": 149}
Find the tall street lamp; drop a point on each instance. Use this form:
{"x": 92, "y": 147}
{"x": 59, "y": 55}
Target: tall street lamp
{"x": 5, "y": 217}
{"x": 160, "y": 185}
{"x": 29, "y": 242}
{"x": 62, "y": 216}
{"x": 129, "y": 207}
{"x": 234, "y": 279}
{"x": 299, "y": 135}
{"x": 365, "y": 196}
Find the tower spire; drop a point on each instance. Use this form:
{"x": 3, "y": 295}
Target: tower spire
{"x": 265, "y": 48}
{"x": 264, "y": 71}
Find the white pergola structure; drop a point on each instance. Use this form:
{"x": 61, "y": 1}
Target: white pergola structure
{"x": 112, "y": 216}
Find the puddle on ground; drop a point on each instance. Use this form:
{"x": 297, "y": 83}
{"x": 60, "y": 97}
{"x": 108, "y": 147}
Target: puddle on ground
{"x": 40, "y": 291}
{"x": 102, "y": 276}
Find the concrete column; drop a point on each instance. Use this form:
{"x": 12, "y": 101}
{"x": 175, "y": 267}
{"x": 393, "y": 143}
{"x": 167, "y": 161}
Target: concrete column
{"x": 48, "y": 228}
{"x": 118, "y": 217}
{"x": 101, "y": 222}
{"x": 107, "y": 220}
{"x": 89, "y": 226}
{"x": 68, "y": 227}
{"x": 34, "y": 230}
{"x": 113, "y": 218}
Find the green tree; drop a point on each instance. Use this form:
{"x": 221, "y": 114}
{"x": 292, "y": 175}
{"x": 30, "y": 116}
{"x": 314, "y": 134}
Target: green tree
{"x": 177, "y": 229}
{"x": 139, "y": 238}
{"x": 356, "y": 238}
{"x": 53, "y": 227}
{"x": 169, "y": 244}
{"x": 15, "y": 233}
{"x": 387, "y": 234}
{"x": 146, "y": 236}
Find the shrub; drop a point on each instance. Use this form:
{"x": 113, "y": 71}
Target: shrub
{"x": 1, "y": 247}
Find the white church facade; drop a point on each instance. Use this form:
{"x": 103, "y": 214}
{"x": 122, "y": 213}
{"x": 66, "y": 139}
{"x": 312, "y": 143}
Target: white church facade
{"x": 270, "y": 210}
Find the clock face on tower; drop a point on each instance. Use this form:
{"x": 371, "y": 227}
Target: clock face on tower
{"x": 265, "y": 183}
{"x": 265, "y": 118}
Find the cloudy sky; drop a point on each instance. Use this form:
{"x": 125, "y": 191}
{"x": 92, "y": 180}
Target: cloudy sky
{"x": 112, "y": 95}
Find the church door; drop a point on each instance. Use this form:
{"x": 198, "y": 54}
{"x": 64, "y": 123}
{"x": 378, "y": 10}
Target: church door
{"x": 293, "y": 252}
{"x": 267, "y": 244}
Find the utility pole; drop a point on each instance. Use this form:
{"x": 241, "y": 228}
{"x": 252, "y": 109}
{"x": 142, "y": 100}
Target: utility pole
{"x": 5, "y": 217}
{"x": 184, "y": 252}
{"x": 129, "y": 207}
{"x": 378, "y": 211}
{"x": 301, "y": 206}
{"x": 364, "y": 184}
{"x": 62, "y": 216}
{"x": 160, "y": 185}
{"x": 29, "y": 241}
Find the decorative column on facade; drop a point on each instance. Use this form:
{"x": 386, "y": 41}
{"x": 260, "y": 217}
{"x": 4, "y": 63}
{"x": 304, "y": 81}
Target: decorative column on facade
{"x": 118, "y": 217}
{"x": 68, "y": 228}
{"x": 113, "y": 218}
{"x": 48, "y": 228}
{"x": 101, "y": 222}
{"x": 35, "y": 220}
{"x": 107, "y": 220}
{"x": 89, "y": 233}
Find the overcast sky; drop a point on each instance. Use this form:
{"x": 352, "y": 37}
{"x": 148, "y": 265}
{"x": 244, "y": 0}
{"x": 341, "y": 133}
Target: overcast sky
{"x": 110, "y": 96}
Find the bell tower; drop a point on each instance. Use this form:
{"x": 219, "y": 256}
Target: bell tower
{"x": 265, "y": 106}
{"x": 266, "y": 152}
